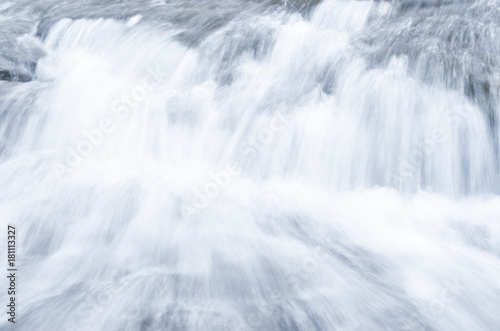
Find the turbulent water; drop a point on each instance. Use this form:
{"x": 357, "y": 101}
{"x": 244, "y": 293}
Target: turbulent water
{"x": 239, "y": 165}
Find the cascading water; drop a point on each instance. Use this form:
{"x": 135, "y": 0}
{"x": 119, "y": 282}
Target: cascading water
{"x": 199, "y": 165}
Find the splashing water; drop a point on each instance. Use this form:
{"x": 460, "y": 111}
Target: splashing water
{"x": 261, "y": 165}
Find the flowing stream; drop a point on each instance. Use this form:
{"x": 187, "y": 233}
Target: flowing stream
{"x": 251, "y": 164}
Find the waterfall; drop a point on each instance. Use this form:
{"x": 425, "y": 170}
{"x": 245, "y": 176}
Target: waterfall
{"x": 251, "y": 165}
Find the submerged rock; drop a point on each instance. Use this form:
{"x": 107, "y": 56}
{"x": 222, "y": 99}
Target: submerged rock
{"x": 18, "y": 76}
{"x": 20, "y": 50}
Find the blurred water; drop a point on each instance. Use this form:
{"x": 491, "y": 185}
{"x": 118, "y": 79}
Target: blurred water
{"x": 295, "y": 165}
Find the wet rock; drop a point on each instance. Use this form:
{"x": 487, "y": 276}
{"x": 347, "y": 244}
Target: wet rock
{"x": 6, "y": 75}
{"x": 302, "y": 6}
{"x": 452, "y": 46}
{"x": 19, "y": 49}
{"x": 409, "y": 5}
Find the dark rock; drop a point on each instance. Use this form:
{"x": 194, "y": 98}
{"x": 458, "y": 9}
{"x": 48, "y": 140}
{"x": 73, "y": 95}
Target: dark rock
{"x": 302, "y": 6}
{"x": 409, "y": 5}
{"x": 7, "y": 75}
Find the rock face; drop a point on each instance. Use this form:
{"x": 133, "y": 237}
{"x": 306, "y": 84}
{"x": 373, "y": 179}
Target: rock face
{"x": 303, "y": 6}
{"x": 18, "y": 63}
{"x": 416, "y": 4}
{"x": 443, "y": 44}
{"x": 5, "y": 75}
{"x": 17, "y": 75}
{"x": 20, "y": 50}
{"x": 20, "y": 47}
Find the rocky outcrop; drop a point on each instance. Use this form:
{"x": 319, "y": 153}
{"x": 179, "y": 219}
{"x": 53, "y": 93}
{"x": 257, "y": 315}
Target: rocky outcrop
{"x": 20, "y": 50}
